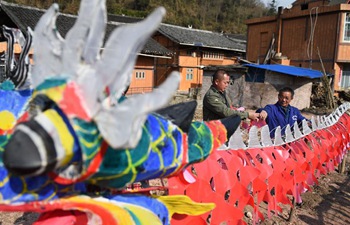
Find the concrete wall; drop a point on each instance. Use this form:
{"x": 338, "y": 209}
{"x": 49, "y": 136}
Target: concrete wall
{"x": 234, "y": 91}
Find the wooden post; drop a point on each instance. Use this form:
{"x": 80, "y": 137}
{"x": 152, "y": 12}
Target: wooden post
{"x": 291, "y": 213}
{"x": 341, "y": 167}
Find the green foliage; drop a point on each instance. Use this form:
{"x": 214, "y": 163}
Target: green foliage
{"x": 216, "y": 15}
{"x": 272, "y": 8}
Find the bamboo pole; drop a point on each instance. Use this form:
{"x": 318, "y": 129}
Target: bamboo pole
{"x": 328, "y": 90}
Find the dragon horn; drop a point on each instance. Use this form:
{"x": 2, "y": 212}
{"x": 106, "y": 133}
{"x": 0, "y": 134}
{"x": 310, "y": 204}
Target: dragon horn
{"x": 47, "y": 60}
{"x": 134, "y": 36}
{"x": 121, "y": 126}
{"x": 84, "y": 39}
{"x": 117, "y": 60}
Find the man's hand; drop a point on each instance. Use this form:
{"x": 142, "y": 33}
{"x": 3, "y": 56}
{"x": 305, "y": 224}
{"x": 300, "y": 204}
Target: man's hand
{"x": 254, "y": 116}
{"x": 263, "y": 115}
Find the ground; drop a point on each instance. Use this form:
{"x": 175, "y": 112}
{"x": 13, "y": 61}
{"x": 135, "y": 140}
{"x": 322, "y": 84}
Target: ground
{"x": 327, "y": 203}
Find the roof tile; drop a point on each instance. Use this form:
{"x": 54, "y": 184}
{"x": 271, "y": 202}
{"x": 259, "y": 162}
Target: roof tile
{"x": 25, "y": 16}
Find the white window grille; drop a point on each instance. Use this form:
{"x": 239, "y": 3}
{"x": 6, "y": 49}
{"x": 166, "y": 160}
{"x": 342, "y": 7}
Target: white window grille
{"x": 345, "y": 77}
{"x": 140, "y": 75}
{"x": 347, "y": 27}
{"x": 189, "y": 74}
{"x": 213, "y": 55}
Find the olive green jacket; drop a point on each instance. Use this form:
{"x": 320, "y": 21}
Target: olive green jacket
{"x": 216, "y": 106}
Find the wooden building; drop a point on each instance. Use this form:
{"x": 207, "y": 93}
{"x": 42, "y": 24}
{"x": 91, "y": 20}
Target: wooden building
{"x": 311, "y": 34}
{"x": 195, "y": 50}
{"x": 143, "y": 79}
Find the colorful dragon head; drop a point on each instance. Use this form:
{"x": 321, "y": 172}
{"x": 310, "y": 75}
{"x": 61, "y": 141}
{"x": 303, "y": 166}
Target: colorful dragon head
{"x": 73, "y": 74}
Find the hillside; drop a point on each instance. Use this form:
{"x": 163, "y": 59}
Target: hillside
{"x": 216, "y": 15}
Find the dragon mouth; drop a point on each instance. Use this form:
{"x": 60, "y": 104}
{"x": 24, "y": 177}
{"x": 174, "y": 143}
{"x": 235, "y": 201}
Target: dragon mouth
{"x": 30, "y": 151}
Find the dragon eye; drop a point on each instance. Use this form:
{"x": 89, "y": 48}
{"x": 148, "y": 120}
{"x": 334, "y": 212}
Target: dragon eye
{"x": 40, "y": 103}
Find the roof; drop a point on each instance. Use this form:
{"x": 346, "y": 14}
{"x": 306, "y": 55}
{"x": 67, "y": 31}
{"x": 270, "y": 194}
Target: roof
{"x": 193, "y": 37}
{"x": 233, "y": 67}
{"x": 337, "y": 2}
{"x": 123, "y": 18}
{"x": 25, "y": 16}
{"x": 203, "y": 38}
{"x": 289, "y": 70}
{"x": 241, "y": 37}
{"x": 330, "y": 2}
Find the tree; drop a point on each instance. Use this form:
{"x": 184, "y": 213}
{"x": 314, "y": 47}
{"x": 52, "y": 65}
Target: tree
{"x": 215, "y": 15}
{"x": 141, "y": 5}
{"x": 272, "y": 8}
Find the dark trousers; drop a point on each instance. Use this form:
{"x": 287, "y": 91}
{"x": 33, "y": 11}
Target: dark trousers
{"x": 231, "y": 124}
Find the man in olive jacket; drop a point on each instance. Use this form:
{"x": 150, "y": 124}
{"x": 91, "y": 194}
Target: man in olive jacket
{"x": 216, "y": 105}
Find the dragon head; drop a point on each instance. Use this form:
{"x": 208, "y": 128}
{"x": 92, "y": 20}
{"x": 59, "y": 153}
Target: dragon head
{"x": 70, "y": 76}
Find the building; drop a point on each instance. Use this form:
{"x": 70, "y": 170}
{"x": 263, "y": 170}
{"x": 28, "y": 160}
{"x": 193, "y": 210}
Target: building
{"x": 195, "y": 51}
{"x": 262, "y": 83}
{"x": 312, "y": 34}
{"x": 143, "y": 79}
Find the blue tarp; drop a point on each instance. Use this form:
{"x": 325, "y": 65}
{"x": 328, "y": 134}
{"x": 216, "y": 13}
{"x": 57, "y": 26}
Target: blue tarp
{"x": 289, "y": 70}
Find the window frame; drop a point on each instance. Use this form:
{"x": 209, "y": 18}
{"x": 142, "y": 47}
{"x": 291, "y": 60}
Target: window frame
{"x": 346, "y": 30}
{"x": 189, "y": 74}
{"x": 345, "y": 77}
{"x": 140, "y": 75}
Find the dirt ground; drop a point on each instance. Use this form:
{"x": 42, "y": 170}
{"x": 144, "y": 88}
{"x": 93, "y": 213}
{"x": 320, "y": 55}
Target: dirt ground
{"x": 327, "y": 203}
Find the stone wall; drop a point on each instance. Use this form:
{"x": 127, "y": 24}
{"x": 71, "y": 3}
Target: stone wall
{"x": 253, "y": 95}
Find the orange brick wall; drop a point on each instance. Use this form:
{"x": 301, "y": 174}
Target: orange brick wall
{"x": 187, "y": 60}
{"x": 145, "y": 79}
{"x": 16, "y": 49}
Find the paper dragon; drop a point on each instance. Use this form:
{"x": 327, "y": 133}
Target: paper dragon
{"x": 242, "y": 177}
{"x": 75, "y": 137}
{"x": 72, "y": 135}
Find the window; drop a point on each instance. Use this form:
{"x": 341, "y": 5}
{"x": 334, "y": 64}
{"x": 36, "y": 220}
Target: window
{"x": 140, "y": 75}
{"x": 189, "y": 74}
{"x": 347, "y": 27}
{"x": 213, "y": 55}
{"x": 345, "y": 76}
{"x": 304, "y": 6}
{"x": 188, "y": 52}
